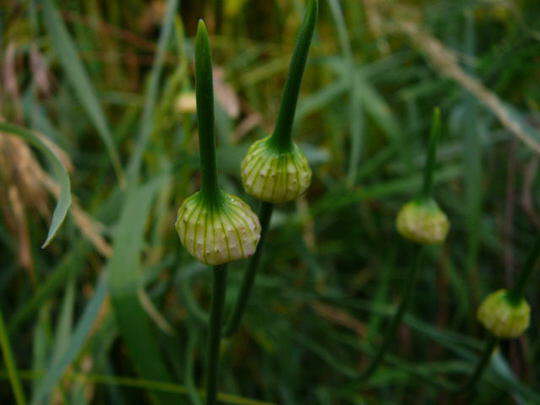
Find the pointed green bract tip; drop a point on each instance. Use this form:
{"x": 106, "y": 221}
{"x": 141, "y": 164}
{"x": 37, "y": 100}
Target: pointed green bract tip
{"x": 201, "y": 27}
{"x": 502, "y": 317}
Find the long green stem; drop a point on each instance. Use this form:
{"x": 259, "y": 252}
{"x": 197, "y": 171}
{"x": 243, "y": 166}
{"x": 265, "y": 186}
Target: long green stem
{"x": 9, "y": 361}
{"x": 432, "y": 153}
{"x": 214, "y": 339}
{"x": 281, "y": 137}
{"x": 398, "y": 316}
{"x": 249, "y": 277}
{"x": 205, "y": 115}
{"x": 481, "y": 365}
{"x": 516, "y": 294}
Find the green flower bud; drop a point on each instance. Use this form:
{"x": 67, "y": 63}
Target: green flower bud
{"x": 218, "y": 233}
{"x": 275, "y": 176}
{"x": 422, "y": 221}
{"x": 502, "y": 317}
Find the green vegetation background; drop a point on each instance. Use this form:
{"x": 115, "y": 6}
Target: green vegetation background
{"x": 112, "y": 310}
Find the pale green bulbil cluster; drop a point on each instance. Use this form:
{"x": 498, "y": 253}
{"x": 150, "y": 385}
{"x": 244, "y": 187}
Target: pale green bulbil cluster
{"x": 273, "y": 176}
{"x": 218, "y": 234}
{"x": 502, "y": 317}
{"x": 422, "y": 221}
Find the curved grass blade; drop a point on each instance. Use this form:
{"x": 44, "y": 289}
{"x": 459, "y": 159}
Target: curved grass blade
{"x": 64, "y": 200}
{"x": 125, "y": 279}
{"x": 77, "y": 76}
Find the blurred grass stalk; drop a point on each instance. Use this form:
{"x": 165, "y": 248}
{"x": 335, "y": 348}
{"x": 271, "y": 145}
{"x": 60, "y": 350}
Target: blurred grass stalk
{"x": 426, "y": 194}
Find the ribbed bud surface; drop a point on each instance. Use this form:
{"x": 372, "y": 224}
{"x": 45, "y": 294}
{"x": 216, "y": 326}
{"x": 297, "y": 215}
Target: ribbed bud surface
{"x": 502, "y": 317}
{"x": 218, "y": 235}
{"x": 273, "y": 176}
{"x": 423, "y": 222}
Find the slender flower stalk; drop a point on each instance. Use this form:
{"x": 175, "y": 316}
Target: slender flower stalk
{"x": 517, "y": 293}
{"x": 421, "y": 221}
{"x": 489, "y": 347}
{"x": 216, "y": 316}
{"x": 275, "y": 170}
{"x": 249, "y": 278}
{"x": 215, "y": 227}
{"x": 391, "y": 330}
{"x": 282, "y": 137}
{"x": 434, "y": 135}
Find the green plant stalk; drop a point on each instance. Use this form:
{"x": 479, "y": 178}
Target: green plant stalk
{"x": 481, "y": 366}
{"x": 214, "y": 339}
{"x": 9, "y": 361}
{"x": 282, "y": 136}
{"x": 205, "y": 116}
{"x": 427, "y": 190}
{"x": 398, "y": 316}
{"x": 432, "y": 154}
{"x": 516, "y": 293}
{"x": 265, "y": 215}
{"x": 282, "y": 141}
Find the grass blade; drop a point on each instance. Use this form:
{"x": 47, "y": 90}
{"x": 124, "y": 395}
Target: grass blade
{"x": 79, "y": 80}
{"x": 78, "y": 338}
{"x": 161, "y": 386}
{"x": 9, "y": 361}
{"x": 145, "y": 129}
{"x": 64, "y": 200}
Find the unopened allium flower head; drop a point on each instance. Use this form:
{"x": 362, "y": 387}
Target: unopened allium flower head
{"x": 422, "y": 221}
{"x": 215, "y": 227}
{"x": 218, "y": 234}
{"x": 503, "y": 317}
{"x": 274, "y": 175}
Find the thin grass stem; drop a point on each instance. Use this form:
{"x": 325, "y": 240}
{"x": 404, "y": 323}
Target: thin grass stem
{"x": 429, "y": 168}
{"x": 481, "y": 366}
{"x": 390, "y": 333}
{"x": 516, "y": 294}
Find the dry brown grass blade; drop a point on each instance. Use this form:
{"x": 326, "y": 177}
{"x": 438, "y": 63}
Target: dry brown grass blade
{"x": 19, "y": 224}
{"x": 339, "y": 317}
{"x": 446, "y": 63}
{"x": 404, "y": 20}
{"x": 21, "y": 170}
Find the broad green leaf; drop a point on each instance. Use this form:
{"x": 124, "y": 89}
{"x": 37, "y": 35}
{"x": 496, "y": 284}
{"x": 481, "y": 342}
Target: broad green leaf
{"x": 125, "y": 279}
